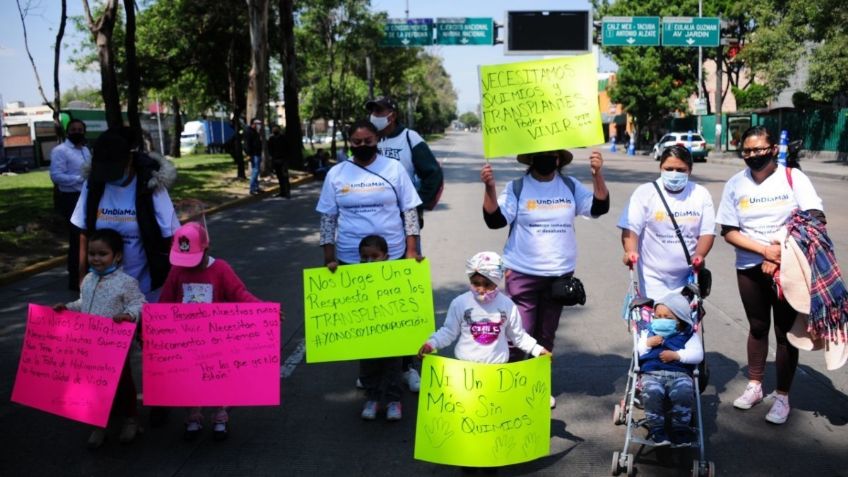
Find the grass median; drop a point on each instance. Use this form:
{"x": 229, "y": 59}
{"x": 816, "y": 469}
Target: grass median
{"x": 30, "y": 231}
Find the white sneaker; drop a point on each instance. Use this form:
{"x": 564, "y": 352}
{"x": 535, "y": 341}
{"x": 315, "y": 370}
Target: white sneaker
{"x": 413, "y": 380}
{"x": 753, "y": 394}
{"x": 553, "y": 402}
{"x": 779, "y": 410}
{"x": 369, "y": 411}
{"x": 359, "y": 383}
{"x": 393, "y": 411}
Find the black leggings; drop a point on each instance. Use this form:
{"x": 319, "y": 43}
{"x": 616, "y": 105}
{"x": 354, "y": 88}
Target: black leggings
{"x": 759, "y": 300}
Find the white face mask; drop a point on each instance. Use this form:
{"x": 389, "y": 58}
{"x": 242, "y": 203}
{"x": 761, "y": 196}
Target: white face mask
{"x": 674, "y": 181}
{"x": 379, "y": 122}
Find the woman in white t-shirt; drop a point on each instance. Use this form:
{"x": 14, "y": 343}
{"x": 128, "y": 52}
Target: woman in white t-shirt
{"x": 647, "y": 232}
{"x": 367, "y": 195}
{"x": 541, "y": 208}
{"x": 127, "y": 191}
{"x": 755, "y": 204}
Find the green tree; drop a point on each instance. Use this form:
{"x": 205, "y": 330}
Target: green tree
{"x": 755, "y": 96}
{"x": 469, "y": 119}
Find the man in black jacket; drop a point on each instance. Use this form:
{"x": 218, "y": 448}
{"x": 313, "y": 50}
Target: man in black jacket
{"x": 253, "y": 149}
{"x": 277, "y": 148}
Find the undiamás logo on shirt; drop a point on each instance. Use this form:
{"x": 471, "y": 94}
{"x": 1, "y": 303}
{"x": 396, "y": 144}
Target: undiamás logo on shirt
{"x": 362, "y": 187}
{"x": 681, "y": 216}
{"x": 749, "y": 202}
{"x": 549, "y": 204}
{"x": 116, "y": 215}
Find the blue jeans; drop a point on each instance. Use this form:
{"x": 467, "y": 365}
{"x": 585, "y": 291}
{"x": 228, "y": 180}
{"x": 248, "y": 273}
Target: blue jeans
{"x": 254, "y": 173}
{"x": 659, "y": 387}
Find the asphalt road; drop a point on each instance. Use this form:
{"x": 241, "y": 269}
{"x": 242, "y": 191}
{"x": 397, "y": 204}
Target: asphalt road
{"x": 317, "y": 429}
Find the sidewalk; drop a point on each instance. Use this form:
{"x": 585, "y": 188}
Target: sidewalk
{"x": 822, "y": 167}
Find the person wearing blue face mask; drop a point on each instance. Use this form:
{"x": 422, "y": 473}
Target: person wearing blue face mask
{"x": 668, "y": 354}
{"x": 109, "y": 292}
{"x": 648, "y": 233}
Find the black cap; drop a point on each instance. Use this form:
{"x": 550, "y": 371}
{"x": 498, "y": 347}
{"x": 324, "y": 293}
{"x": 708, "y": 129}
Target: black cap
{"x": 382, "y": 102}
{"x": 110, "y": 157}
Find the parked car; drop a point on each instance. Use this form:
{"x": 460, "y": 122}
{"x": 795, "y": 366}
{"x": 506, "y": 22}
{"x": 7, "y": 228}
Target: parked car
{"x": 694, "y": 141}
{"x": 13, "y": 164}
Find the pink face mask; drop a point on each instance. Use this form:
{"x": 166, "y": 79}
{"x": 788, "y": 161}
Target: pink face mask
{"x": 486, "y": 297}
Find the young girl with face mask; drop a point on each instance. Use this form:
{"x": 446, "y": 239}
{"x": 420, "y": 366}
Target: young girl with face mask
{"x": 483, "y": 319}
{"x": 647, "y": 232}
{"x": 109, "y": 292}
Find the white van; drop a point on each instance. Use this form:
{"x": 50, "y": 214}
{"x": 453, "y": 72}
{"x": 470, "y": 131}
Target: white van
{"x": 193, "y": 138}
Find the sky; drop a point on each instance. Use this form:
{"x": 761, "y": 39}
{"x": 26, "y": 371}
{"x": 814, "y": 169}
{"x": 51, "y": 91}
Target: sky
{"x": 17, "y": 81}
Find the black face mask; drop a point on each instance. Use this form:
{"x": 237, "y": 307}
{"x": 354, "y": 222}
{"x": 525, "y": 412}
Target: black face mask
{"x": 363, "y": 153}
{"x": 544, "y": 165}
{"x": 757, "y": 163}
{"x": 76, "y": 138}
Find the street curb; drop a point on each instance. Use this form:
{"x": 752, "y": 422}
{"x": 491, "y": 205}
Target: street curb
{"x": 45, "y": 265}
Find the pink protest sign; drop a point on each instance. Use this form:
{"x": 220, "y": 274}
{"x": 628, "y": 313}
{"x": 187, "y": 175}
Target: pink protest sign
{"x": 70, "y": 363}
{"x": 211, "y": 354}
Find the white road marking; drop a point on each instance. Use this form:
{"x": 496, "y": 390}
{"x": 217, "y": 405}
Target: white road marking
{"x": 293, "y": 360}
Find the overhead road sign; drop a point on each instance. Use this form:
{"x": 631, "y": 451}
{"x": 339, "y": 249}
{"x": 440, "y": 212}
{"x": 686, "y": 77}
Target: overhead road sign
{"x": 630, "y": 31}
{"x": 691, "y": 31}
{"x": 465, "y": 31}
{"x": 548, "y": 32}
{"x": 411, "y": 32}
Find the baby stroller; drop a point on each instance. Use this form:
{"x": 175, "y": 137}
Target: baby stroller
{"x": 638, "y": 312}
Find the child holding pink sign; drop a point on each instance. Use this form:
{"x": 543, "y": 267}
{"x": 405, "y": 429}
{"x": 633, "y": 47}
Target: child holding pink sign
{"x": 197, "y": 277}
{"x": 107, "y": 291}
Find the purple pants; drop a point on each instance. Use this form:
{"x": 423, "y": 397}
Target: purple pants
{"x": 539, "y": 313}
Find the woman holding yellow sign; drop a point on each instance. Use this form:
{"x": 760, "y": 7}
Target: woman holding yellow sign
{"x": 541, "y": 249}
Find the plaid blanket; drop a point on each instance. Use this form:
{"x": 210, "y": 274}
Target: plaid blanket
{"x": 828, "y": 295}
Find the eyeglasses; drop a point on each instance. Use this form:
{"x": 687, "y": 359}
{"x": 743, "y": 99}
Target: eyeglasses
{"x": 754, "y": 151}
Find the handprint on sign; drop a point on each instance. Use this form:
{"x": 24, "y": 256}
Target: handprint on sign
{"x": 438, "y": 431}
{"x": 530, "y": 444}
{"x": 538, "y": 395}
{"x": 503, "y": 446}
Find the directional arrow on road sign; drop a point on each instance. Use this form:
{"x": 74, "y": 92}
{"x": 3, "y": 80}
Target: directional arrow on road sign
{"x": 465, "y": 31}
{"x": 630, "y": 31}
{"x": 412, "y": 32}
{"x": 691, "y": 31}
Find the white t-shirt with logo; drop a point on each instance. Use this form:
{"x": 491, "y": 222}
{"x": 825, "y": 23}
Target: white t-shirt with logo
{"x": 482, "y": 331}
{"x": 662, "y": 264}
{"x": 398, "y": 148}
{"x": 117, "y": 211}
{"x": 542, "y": 242}
{"x": 367, "y": 205}
{"x": 760, "y": 210}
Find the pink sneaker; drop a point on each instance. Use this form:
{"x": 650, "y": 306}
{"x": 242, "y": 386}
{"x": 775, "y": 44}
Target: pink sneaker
{"x": 753, "y": 394}
{"x": 779, "y": 410}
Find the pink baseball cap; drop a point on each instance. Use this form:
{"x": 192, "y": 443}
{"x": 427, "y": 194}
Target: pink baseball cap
{"x": 190, "y": 241}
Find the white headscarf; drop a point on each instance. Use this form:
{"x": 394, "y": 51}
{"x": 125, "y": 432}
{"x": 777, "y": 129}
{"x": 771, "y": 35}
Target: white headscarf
{"x": 488, "y": 264}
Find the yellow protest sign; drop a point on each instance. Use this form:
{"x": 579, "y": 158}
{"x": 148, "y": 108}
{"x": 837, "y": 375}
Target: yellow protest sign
{"x": 483, "y": 415}
{"x": 540, "y": 105}
{"x": 368, "y": 310}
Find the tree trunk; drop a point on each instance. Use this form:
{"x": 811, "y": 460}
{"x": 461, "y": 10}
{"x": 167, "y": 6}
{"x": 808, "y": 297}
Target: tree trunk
{"x": 57, "y": 52}
{"x": 256, "y": 78}
{"x": 178, "y": 126}
{"x": 235, "y": 106}
{"x": 294, "y": 133}
{"x": 133, "y": 78}
{"x": 101, "y": 30}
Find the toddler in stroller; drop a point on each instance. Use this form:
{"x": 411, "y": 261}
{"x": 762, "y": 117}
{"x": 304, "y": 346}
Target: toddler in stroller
{"x": 668, "y": 354}
{"x": 664, "y": 377}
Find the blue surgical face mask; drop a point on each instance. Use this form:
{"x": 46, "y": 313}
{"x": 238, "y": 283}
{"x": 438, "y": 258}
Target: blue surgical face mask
{"x": 486, "y": 297}
{"x": 674, "y": 181}
{"x": 379, "y": 122}
{"x": 664, "y": 327}
{"x": 105, "y": 271}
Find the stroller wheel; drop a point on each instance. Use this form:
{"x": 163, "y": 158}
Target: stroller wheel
{"x": 614, "y": 468}
{"x": 618, "y": 415}
{"x": 629, "y": 464}
{"x": 703, "y": 469}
